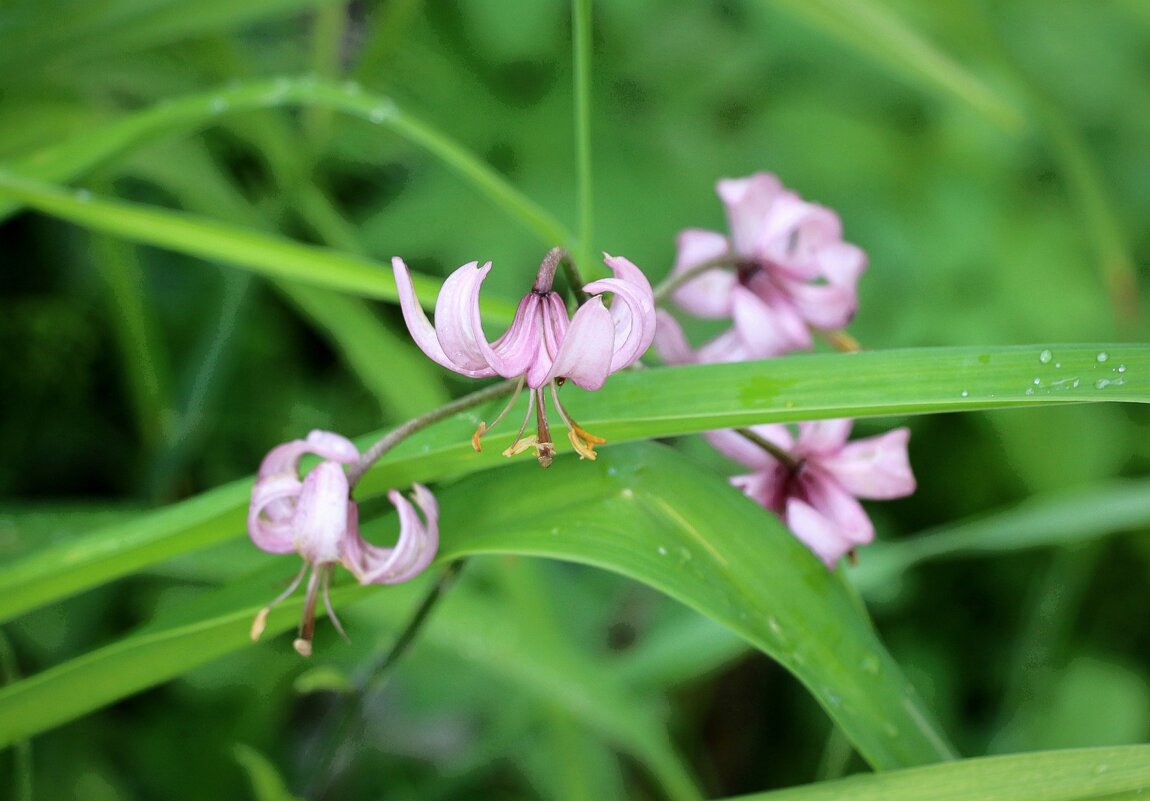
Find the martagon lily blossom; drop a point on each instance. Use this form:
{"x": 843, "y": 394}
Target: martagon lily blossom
{"x": 792, "y": 271}
{"x": 542, "y": 348}
{"x": 815, "y": 490}
{"x": 314, "y": 516}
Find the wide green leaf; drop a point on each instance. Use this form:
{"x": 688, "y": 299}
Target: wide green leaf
{"x": 1086, "y": 774}
{"x": 645, "y": 512}
{"x": 637, "y": 405}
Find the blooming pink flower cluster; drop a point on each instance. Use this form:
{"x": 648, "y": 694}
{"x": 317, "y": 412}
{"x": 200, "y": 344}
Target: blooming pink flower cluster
{"x": 315, "y": 517}
{"x": 542, "y": 348}
{"x": 783, "y": 271}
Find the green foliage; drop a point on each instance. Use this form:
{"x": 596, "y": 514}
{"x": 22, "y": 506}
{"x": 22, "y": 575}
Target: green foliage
{"x": 629, "y": 627}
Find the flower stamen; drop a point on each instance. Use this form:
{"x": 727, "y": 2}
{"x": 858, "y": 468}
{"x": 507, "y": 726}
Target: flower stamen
{"x": 261, "y": 620}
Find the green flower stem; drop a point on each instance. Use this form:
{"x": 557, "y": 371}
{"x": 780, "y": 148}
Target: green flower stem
{"x": 672, "y": 282}
{"x": 398, "y": 435}
{"x": 581, "y": 53}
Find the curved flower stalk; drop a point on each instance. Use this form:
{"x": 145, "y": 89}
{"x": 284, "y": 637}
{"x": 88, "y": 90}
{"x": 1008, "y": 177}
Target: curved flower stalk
{"x": 792, "y": 272}
{"x": 815, "y": 492}
{"x": 315, "y": 517}
{"x": 542, "y": 348}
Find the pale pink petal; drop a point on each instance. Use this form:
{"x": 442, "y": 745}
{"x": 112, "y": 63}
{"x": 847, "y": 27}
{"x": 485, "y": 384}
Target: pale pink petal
{"x": 826, "y": 306}
{"x": 823, "y": 437}
{"x": 414, "y": 549}
{"x": 831, "y": 500}
{"x": 271, "y": 510}
{"x": 284, "y": 458}
{"x": 767, "y": 326}
{"x": 332, "y": 446}
{"x": 709, "y": 295}
{"x": 632, "y": 310}
{"x": 814, "y": 530}
{"x": 735, "y": 446}
{"x": 842, "y": 263}
{"x": 457, "y": 321}
{"x": 670, "y": 342}
{"x": 749, "y": 202}
{"x": 549, "y": 332}
{"x": 320, "y": 522}
{"x": 875, "y": 467}
{"x": 518, "y": 349}
{"x": 585, "y": 354}
{"x": 420, "y": 327}
{"x": 796, "y": 232}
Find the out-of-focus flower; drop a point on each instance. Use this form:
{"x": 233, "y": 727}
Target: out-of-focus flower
{"x": 542, "y": 348}
{"x": 815, "y": 491}
{"x": 315, "y": 517}
{"x": 792, "y": 272}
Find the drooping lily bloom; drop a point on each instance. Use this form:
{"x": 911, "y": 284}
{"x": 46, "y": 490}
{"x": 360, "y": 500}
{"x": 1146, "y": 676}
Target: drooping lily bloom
{"x": 542, "y": 348}
{"x": 315, "y": 517}
{"x": 791, "y": 272}
{"x": 815, "y": 492}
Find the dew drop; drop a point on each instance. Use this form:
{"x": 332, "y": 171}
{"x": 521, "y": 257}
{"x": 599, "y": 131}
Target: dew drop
{"x": 775, "y": 628}
{"x": 1102, "y": 383}
{"x": 1045, "y": 357}
{"x": 662, "y": 551}
{"x": 1103, "y": 356}
{"x": 1058, "y": 365}
{"x": 628, "y": 493}
{"x": 1122, "y": 368}
{"x": 1030, "y": 390}
{"x": 965, "y": 393}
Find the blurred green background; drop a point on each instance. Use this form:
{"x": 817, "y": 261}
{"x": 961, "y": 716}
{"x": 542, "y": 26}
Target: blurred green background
{"x": 991, "y": 158}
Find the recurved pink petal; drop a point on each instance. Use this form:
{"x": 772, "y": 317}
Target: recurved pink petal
{"x": 320, "y": 521}
{"x": 585, "y": 354}
{"x": 749, "y": 203}
{"x": 632, "y": 310}
{"x": 709, "y": 295}
{"x": 457, "y": 321}
{"x": 877, "y": 468}
{"x": 420, "y": 327}
{"x": 414, "y": 549}
{"x": 330, "y": 445}
{"x": 271, "y": 511}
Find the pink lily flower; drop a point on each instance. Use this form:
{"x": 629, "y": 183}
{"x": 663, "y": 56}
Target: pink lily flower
{"x": 542, "y": 348}
{"x": 315, "y": 517}
{"x": 815, "y": 492}
{"x": 792, "y": 272}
